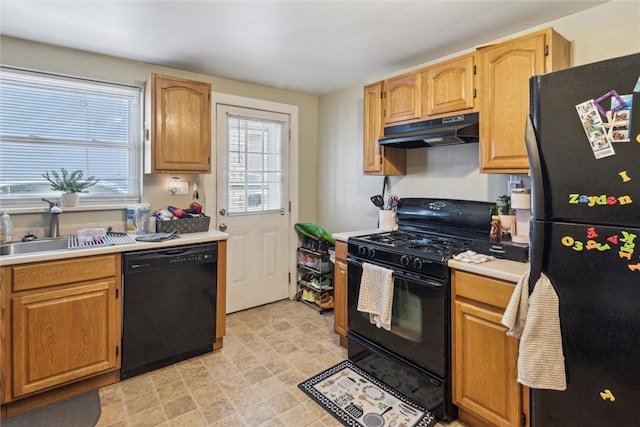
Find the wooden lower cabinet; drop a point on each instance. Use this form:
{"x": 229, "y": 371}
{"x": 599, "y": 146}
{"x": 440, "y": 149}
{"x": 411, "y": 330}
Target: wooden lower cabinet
{"x": 61, "y": 326}
{"x": 340, "y": 280}
{"x": 485, "y": 359}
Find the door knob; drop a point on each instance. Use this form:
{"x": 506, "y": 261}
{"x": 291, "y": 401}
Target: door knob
{"x": 222, "y": 226}
{"x": 223, "y": 211}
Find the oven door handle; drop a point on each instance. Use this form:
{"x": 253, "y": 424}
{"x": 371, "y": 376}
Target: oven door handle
{"x": 417, "y": 278}
{"x": 403, "y": 275}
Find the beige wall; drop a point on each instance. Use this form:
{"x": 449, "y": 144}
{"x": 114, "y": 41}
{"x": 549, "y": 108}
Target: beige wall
{"x": 600, "y": 33}
{"x": 42, "y": 57}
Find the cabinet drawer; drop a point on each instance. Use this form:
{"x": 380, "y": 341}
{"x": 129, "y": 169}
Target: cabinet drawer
{"x": 52, "y": 273}
{"x": 341, "y": 251}
{"x": 483, "y": 289}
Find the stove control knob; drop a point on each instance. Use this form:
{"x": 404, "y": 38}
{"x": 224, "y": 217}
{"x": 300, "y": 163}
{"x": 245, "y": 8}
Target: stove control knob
{"x": 362, "y": 250}
{"x": 371, "y": 252}
{"x": 417, "y": 263}
{"x": 404, "y": 260}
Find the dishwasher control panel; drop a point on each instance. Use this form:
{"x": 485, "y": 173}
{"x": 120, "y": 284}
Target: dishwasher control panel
{"x": 177, "y": 255}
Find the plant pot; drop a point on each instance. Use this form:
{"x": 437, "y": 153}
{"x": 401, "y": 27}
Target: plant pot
{"x": 69, "y": 200}
{"x": 507, "y": 222}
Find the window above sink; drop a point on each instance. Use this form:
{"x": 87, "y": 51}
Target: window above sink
{"x": 52, "y": 122}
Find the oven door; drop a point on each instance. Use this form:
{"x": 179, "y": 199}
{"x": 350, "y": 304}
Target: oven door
{"x": 419, "y": 319}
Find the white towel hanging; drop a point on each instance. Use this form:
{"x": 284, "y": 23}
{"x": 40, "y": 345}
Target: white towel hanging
{"x": 535, "y": 320}
{"x": 376, "y": 294}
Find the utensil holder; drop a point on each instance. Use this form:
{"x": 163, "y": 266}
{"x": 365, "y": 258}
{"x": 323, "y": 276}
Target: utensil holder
{"x": 388, "y": 220}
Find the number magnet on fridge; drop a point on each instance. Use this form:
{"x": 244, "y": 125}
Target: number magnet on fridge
{"x": 607, "y": 395}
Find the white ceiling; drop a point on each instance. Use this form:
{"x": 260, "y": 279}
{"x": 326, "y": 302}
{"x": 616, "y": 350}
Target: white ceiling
{"x": 312, "y": 47}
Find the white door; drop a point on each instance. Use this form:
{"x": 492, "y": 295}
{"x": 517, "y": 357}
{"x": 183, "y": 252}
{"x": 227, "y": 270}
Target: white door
{"x": 253, "y": 203}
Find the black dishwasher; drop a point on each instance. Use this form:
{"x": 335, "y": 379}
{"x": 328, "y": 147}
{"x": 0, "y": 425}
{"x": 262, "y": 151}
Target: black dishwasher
{"x": 169, "y": 306}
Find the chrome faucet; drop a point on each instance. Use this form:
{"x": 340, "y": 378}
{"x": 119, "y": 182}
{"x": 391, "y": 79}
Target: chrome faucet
{"x": 54, "y": 227}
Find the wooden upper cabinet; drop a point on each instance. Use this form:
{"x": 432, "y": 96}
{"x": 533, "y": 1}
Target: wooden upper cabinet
{"x": 448, "y": 87}
{"x": 378, "y": 160}
{"x": 403, "y": 98}
{"x": 179, "y": 120}
{"x": 505, "y": 69}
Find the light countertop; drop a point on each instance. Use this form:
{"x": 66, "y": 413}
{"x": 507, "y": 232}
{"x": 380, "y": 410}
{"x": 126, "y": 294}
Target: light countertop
{"x": 502, "y": 269}
{"x": 343, "y": 236}
{"x": 184, "y": 239}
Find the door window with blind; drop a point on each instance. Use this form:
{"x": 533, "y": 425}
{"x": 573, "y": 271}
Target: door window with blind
{"x": 255, "y": 165}
{"x": 50, "y": 122}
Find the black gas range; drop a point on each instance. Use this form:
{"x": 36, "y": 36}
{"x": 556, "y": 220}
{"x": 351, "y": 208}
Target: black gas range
{"x": 430, "y": 232}
{"x": 414, "y": 356}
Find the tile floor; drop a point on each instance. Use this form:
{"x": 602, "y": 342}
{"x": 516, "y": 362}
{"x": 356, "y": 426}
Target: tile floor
{"x": 251, "y": 381}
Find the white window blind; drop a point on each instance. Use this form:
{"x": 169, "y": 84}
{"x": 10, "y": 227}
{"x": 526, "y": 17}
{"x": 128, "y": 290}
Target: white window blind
{"x": 256, "y": 176}
{"x": 51, "y": 122}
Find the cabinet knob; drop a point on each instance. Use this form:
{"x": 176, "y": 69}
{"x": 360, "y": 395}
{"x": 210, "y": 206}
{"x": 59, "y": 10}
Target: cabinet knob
{"x": 223, "y": 211}
{"x": 222, "y": 226}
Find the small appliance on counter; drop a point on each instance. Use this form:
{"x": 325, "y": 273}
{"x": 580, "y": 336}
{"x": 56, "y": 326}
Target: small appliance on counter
{"x": 521, "y": 204}
{"x": 504, "y": 249}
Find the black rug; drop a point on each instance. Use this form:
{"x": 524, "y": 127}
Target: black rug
{"x": 355, "y": 398}
{"x": 78, "y": 411}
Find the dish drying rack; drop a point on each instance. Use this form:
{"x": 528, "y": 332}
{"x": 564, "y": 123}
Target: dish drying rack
{"x": 107, "y": 240}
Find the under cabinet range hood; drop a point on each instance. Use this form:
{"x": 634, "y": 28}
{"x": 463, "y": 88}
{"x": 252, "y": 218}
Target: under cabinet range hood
{"x": 460, "y": 129}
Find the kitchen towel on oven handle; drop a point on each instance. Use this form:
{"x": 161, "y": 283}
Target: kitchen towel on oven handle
{"x": 376, "y": 294}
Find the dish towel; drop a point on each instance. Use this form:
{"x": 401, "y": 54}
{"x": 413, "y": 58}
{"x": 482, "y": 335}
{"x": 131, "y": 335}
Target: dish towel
{"x": 472, "y": 257}
{"x": 376, "y": 294}
{"x": 535, "y": 320}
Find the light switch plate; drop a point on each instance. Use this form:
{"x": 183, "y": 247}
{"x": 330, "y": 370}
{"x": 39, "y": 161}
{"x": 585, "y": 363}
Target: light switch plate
{"x": 181, "y": 187}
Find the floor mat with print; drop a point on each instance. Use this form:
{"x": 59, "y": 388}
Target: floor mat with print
{"x": 355, "y": 398}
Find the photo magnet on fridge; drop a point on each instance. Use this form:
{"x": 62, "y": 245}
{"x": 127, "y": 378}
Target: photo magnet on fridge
{"x": 619, "y": 118}
{"x": 634, "y": 125}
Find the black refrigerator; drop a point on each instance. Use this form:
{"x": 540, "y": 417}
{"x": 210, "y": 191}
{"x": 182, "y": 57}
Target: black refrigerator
{"x": 583, "y": 141}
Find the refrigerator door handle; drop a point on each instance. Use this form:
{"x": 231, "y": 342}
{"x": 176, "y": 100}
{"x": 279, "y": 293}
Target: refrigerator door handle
{"x": 536, "y": 232}
{"x": 536, "y": 252}
{"x": 535, "y": 168}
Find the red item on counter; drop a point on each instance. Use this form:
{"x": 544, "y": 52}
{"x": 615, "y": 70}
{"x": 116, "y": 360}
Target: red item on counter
{"x": 194, "y": 208}
{"x": 177, "y": 212}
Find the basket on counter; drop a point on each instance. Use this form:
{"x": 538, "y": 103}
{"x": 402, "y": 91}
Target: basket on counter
{"x": 184, "y": 225}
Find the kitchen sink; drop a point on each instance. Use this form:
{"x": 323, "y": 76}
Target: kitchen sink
{"x": 49, "y": 244}
{"x": 39, "y": 245}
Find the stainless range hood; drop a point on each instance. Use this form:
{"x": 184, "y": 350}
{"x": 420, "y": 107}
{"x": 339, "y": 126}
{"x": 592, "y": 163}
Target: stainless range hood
{"x": 460, "y": 129}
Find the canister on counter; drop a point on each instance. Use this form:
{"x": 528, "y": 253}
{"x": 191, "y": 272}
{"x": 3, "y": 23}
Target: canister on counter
{"x": 137, "y": 218}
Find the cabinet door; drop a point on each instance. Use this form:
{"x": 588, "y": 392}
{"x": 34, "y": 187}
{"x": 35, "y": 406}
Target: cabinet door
{"x": 449, "y": 86}
{"x": 64, "y": 335}
{"x": 180, "y": 125}
{"x": 403, "y": 98}
{"x": 340, "y": 292}
{"x": 378, "y": 160}
{"x": 485, "y": 365}
{"x": 505, "y": 69}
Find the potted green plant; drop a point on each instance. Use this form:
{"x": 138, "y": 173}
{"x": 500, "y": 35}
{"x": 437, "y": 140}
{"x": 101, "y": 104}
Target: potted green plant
{"x": 70, "y": 184}
{"x": 507, "y": 217}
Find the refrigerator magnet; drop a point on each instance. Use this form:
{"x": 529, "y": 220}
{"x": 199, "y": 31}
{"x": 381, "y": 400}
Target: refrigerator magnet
{"x": 619, "y": 118}
{"x": 613, "y": 95}
{"x": 594, "y": 129}
{"x": 634, "y": 125}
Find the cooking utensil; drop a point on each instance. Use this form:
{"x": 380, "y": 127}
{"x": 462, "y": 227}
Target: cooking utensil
{"x": 378, "y": 201}
{"x": 375, "y": 420}
{"x": 392, "y": 202}
{"x": 354, "y": 410}
{"x": 364, "y": 399}
{"x": 409, "y": 409}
